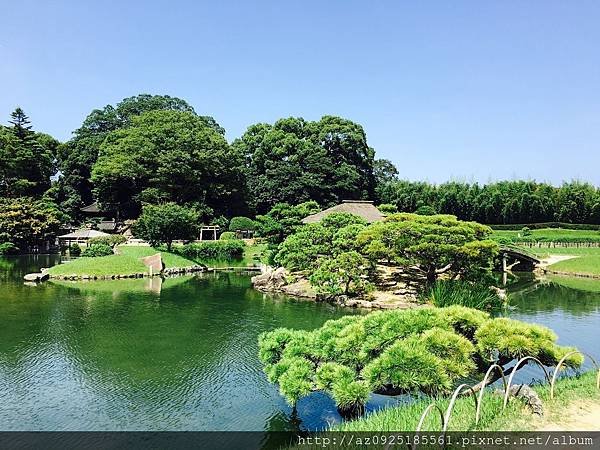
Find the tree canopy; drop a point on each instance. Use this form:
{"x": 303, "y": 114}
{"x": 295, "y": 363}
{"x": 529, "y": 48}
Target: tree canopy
{"x": 27, "y": 158}
{"x": 77, "y": 156}
{"x": 283, "y": 219}
{"x": 162, "y": 224}
{"x": 295, "y": 160}
{"x": 504, "y": 202}
{"x": 168, "y": 156}
{"x": 434, "y": 245}
{"x": 25, "y": 221}
{"x": 430, "y": 246}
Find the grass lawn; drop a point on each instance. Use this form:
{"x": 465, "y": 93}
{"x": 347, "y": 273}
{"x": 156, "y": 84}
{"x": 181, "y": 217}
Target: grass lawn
{"x": 170, "y": 259}
{"x": 550, "y": 234}
{"x": 586, "y": 264}
{"x": 126, "y": 263}
{"x": 102, "y": 265}
{"x": 129, "y": 262}
{"x": 587, "y": 261}
{"x": 515, "y": 417}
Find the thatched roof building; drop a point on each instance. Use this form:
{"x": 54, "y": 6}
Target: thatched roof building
{"x": 361, "y": 208}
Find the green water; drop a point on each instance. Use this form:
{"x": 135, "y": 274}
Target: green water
{"x": 182, "y": 354}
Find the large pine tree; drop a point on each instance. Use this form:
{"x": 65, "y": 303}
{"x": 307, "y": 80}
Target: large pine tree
{"x": 26, "y": 158}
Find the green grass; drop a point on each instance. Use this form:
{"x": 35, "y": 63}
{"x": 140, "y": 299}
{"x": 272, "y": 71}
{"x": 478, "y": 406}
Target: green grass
{"x": 129, "y": 262}
{"x": 516, "y": 417}
{"x": 587, "y": 261}
{"x": 575, "y": 251}
{"x": 455, "y": 292}
{"x": 550, "y": 235}
{"x": 126, "y": 263}
{"x": 100, "y": 266}
{"x": 170, "y": 259}
{"x": 587, "y": 264}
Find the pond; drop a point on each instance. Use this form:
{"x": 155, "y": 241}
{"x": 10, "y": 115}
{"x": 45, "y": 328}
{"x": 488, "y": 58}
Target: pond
{"x": 181, "y": 354}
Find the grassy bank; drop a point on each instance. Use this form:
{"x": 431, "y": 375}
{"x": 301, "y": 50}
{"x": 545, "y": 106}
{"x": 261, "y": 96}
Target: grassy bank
{"x": 516, "y": 416}
{"x": 587, "y": 259}
{"x": 128, "y": 262}
{"x": 170, "y": 259}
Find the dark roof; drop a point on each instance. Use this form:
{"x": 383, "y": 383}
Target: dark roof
{"x": 361, "y": 208}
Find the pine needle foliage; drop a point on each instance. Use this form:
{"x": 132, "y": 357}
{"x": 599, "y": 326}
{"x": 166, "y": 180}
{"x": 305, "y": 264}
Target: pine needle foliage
{"x": 421, "y": 350}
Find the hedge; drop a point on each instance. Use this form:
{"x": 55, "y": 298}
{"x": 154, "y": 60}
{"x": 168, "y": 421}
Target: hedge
{"x": 97, "y": 249}
{"x": 226, "y": 249}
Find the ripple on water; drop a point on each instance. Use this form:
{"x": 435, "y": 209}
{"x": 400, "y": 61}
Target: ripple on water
{"x": 184, "y": 359}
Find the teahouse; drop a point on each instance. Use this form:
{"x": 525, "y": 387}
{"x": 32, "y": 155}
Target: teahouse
{"x": 79, "y": 237}
{"x": 361, "y": 208}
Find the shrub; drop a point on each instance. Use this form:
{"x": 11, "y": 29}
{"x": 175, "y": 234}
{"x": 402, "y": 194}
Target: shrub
{"x": 456, "y": 292}
{"x": 241, "y": 223}
{"x": 425, "y": 210}
{"x": 95, "y": 250}
{"x": 162, "y": 224}
{"x": 426, "y": 349}
{"x": 74, "y": 250}
{"x": 227, "y": 236}
{"x": 526, "y": 231}
{"x": 112, "y": 240}
{"x": 8, "y": 248}
{"x": 387, "y": 208}
{"x": 227, "y": 249}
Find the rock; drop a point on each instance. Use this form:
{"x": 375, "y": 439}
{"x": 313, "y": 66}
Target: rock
{"x": 300, "y": 288}
{"x": 154, "y": 263}
{"x": 270, "y": 280}
{"x": 36, "y": 277}
{"x": 529, "y": 396}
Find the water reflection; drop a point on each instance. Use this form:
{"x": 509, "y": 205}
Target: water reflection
{"x": 182, "y": 354}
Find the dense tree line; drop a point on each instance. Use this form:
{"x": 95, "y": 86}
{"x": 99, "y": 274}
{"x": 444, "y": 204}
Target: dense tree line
{"x": 155, "y": 149}
{"x": 504, "y": 202}
{"x": 294, "y": 161}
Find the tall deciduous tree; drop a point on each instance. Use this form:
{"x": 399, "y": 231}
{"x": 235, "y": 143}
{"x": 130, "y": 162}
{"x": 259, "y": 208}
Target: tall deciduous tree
{"x": 168, "y": 156}
{"x": 77, "y": 157}
{"x": 295, "y": 160}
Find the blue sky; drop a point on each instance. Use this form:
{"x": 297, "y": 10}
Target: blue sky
{"x": 466, "y": 90}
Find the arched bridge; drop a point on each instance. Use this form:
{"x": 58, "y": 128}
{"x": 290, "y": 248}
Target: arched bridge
{"x": 517, "y": 258}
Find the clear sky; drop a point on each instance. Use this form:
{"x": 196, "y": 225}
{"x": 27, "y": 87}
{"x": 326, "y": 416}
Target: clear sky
{"x": 467, "y": 90}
